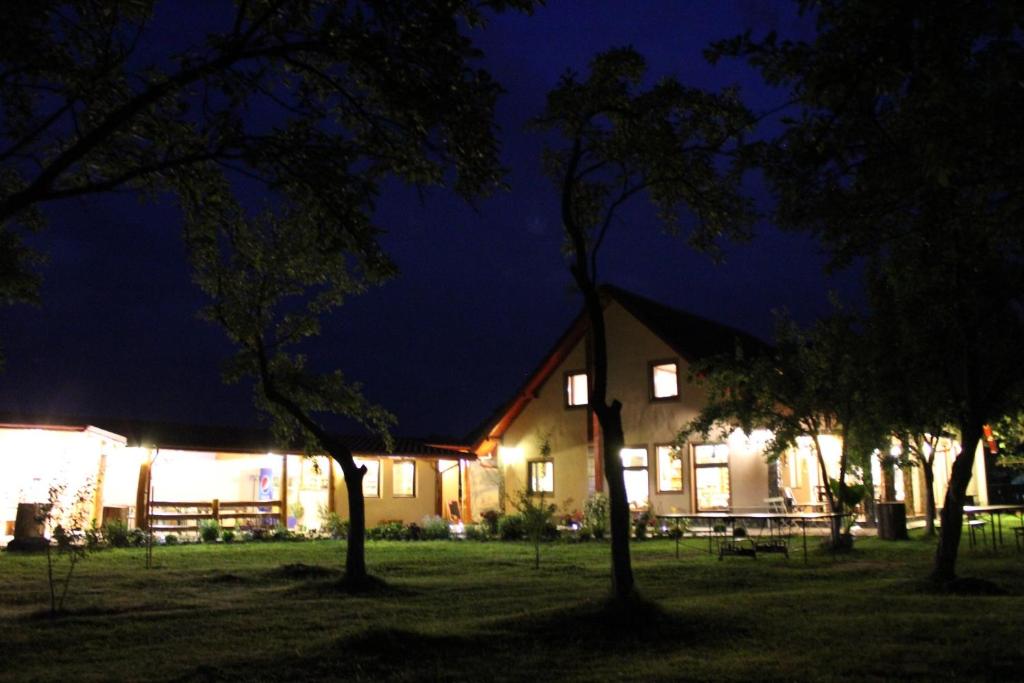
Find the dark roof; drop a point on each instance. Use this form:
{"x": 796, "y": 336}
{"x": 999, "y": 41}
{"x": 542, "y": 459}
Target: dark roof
{"x": 231, "y": 439}
{"x": 691, "y": 336}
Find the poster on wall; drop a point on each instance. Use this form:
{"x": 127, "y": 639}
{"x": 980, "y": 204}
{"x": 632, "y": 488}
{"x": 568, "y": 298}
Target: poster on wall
{"x": 266, "y": 487}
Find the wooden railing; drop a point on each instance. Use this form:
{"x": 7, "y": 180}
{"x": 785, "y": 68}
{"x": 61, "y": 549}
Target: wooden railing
{"x": 168, "y": 515}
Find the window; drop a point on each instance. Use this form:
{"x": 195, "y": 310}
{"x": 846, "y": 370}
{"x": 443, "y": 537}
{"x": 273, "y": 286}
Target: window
{"x": 576, "y": 389}
{"x": 664, "y": 380}
{"x": 634, "y": 472}
{"x": 542, "y": 476}
{"x": 371, "y": 480}
{"x": 670, "y": 468}
{"x": 403, "y": 479}
{"x": 711, "y": 476}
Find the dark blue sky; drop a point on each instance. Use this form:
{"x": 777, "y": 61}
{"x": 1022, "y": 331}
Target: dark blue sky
{"x": 483, "y": 292}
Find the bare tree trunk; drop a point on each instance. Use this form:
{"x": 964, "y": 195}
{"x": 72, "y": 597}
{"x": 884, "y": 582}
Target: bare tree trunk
{"x": 355, "y": 546}
{"x": 834, "y": 504}
{"x": 953, "y": 505}
{"x": 928, "y": 465}
{"x": 612, "y": 441}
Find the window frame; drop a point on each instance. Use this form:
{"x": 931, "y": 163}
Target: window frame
{"x": 657, "y": 465}
{"x": 650, "y": 380}
{"x": 530, "y": 464}
{"x": 395, "y": 464}
{"x": 695, "y": 467}
{"x": 362, "y": 461}
{"x": 633, "y": 468}
{"x": 566, "y": 377}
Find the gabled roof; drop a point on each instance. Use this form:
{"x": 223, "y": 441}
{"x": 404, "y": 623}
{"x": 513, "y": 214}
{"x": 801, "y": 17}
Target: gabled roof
{"x": 694, "y": 338}
{"x": 691, "y": 336}
{"x": 176, "y": 436}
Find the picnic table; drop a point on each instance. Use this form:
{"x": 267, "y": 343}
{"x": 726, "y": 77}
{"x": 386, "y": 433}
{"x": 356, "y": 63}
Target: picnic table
{"x": 995, "y": 516}
{"x": 775, "y": 522}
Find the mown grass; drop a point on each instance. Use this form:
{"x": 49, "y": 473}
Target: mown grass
{"x": 479, "y": 611}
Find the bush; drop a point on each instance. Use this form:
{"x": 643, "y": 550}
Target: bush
{"x": 478, "y": 532}
{"x": 490, "y": 520}
{"x": 209, "y": 530}
{"x": 116, "y": 533}
{"x": 281, "y": 533}
{"x": 392, "y": 530}
{"x": 171, "y": 539}
{"x": 333, "y": 525}
{"x": 228, "y": 536}
{"x": 595, "y": 515}
{"x": 640, "y": 525}
{"x": 137, "y": 538}
{"x": 435, "y": 529}
{"x": 510, "y": 528}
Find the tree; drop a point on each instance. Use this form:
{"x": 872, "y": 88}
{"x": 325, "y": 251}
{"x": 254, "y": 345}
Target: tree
{"x": 668, "y": 142}
{"x": 310, "y": 99}
{"x": 311, "y": 102}
{"x": 811, "y": 385}
{"x": 904, "y": 151}
{"x": 271, "y": 280}
{"x": 911, "y": 402}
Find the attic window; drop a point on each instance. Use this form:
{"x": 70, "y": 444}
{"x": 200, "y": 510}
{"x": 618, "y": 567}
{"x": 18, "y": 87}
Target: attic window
{"x": 664, "y": 380}
{"x": 576, "y": 389}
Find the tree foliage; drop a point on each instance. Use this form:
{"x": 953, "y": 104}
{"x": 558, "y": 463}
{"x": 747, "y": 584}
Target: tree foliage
{"x": 904, "y": 151}
{"x": 625, "y": 138}
{"x": 813, "y": 384}
{"x": 311, "y": 100}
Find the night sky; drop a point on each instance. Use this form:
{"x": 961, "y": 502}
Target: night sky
{"x": 483, "y": 291}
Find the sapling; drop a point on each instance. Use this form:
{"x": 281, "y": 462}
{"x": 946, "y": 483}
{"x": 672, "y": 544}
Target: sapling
{"x": 67, "y": 521}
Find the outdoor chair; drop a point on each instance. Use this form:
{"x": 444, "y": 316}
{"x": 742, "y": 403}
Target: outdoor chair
{"x": 976, "y": 526}
{"x": 1018, "y": 536}
{"x": 738, "y": 544}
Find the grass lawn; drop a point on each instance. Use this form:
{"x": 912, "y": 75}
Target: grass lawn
{"x": 479, "y": 611}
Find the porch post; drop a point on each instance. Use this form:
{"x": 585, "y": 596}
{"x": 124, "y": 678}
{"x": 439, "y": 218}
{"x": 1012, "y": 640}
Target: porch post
{"x": 284, "y": 490}
{"x": 330, "y": 486}
{"x": 142, "y": 496}
{"x": 467, "y": 509}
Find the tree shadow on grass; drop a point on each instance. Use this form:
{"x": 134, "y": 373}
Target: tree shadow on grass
{"x": 524, "y": 646}
{"x": 624, "y": 624}
{"x": 326, "y": 581}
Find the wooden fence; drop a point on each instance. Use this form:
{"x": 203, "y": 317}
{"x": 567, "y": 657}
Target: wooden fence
{"x": 174, "y": 516}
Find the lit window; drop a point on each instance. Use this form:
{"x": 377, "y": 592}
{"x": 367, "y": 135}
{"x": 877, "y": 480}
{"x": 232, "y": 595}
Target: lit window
{"x": 542, "y": 476}
{"x": 711, "y": 472}
{"x": 670, "y": 468}
{"x": 403, "y": 479}
{"x": 664, "y": 380}
{"x": 634, "y": 473}
{"x": 371, "y": 480}
{"x": 576, "y": 389}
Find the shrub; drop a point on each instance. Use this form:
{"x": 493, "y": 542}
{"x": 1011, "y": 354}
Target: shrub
{"x": 435, "y": 529}
{"x": 67, "y": 525}
{"x": 389, "y": 530}
{"x": 171, "y": 539}
{"x": 209, "y": 530}
{"x": 490, "y": 519}
{"x": 281, "y": 533}
{"x": 595, "y": 515}
{"x": 478, "y": 532}
{"x": 640, "y": 525}
{"x": 510, "y": 527}
{"x": 137, "y": 538}
{"x": 228, "y": 535}
{"x": 115, "y": 532}
{"x": 93, "y": 536}
{"x": 332, "y": 524}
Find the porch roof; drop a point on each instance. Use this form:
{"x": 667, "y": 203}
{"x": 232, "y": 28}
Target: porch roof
{"x": 228, "y": 439}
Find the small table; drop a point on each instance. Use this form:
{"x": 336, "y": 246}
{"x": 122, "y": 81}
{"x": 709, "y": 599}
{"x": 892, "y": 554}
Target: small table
{"x": 729, "y": 519}
{"x": 995, "y": 515}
